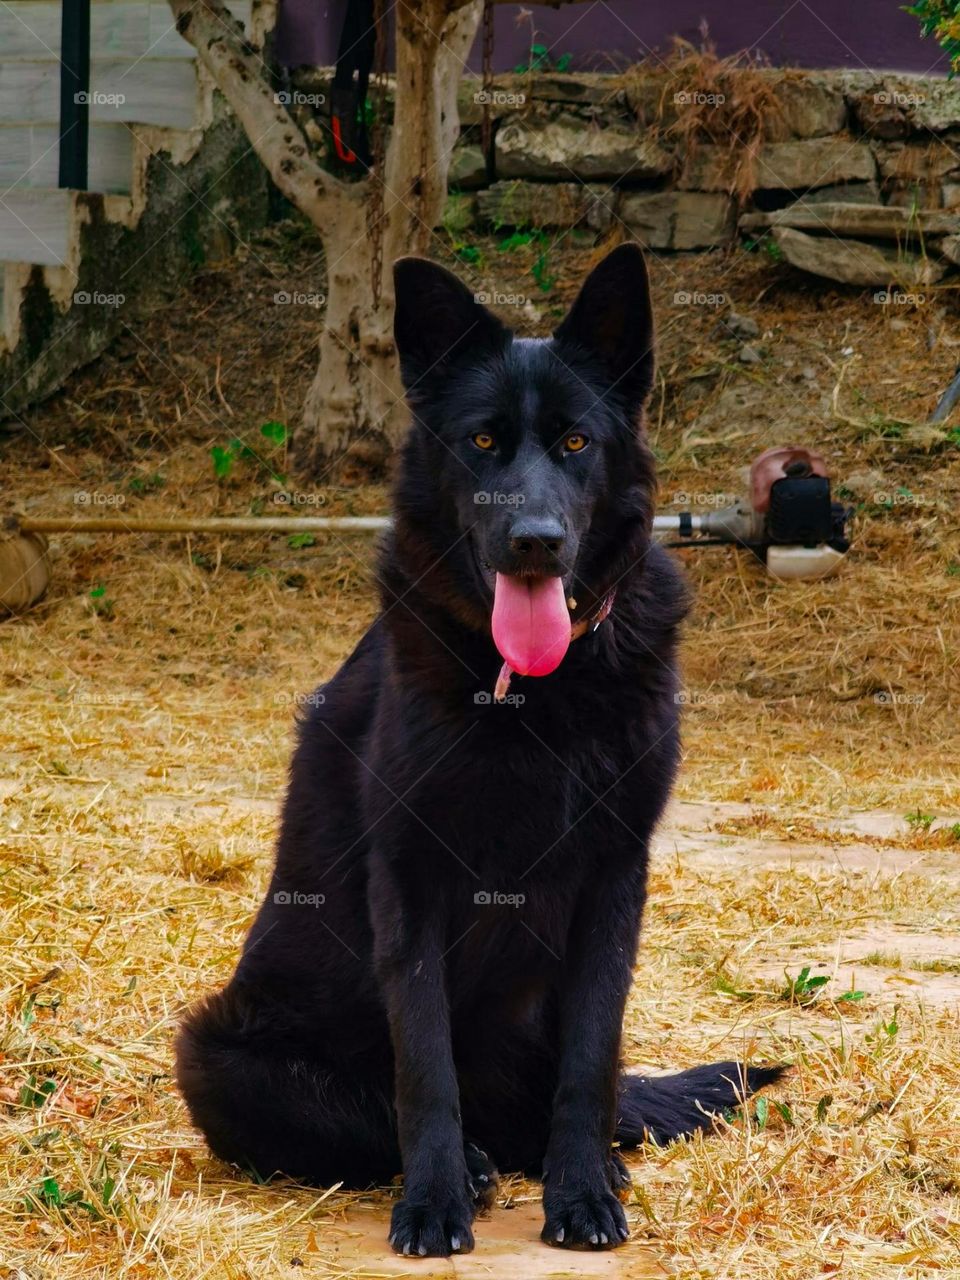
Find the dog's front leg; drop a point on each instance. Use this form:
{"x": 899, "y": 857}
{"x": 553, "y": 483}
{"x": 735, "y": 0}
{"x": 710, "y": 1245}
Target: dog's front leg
{"x": 435, "y": 1215}
{"x": 580, "y": 1205}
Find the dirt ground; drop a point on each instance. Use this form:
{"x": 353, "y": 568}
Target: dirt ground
{"x": 146, "y": 709}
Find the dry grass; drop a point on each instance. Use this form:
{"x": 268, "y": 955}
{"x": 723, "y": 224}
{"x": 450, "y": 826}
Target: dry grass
{"x": 144, "y": 734}
{"x": 693, "y": 96}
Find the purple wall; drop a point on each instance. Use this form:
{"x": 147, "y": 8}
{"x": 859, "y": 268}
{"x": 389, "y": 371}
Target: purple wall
{"x": 609, "y": 34}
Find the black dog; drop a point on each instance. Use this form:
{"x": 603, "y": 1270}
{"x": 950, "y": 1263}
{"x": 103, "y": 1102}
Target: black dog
{"x": 441, "y": 963}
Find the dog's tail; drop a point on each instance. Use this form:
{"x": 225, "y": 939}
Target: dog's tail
{"x": 661, "y": 1108}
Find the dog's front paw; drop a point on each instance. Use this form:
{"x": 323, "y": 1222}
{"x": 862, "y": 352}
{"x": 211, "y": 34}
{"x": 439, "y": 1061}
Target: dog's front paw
{"x": 427, "y": 1230}
{"x": 584, "y": 1218}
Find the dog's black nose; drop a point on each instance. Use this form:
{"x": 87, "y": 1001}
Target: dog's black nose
{"x": 537, "y": 541}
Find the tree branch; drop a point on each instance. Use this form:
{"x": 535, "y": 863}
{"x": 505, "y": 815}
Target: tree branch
{"x": 239, "y": 74}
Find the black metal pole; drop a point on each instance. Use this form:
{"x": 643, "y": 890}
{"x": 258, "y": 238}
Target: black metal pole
{"x": 948, "y": 399}
{"x": 74, "y": 92}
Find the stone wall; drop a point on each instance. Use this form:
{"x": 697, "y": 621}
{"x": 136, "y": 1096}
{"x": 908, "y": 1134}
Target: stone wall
{"x": 681, "y": 172}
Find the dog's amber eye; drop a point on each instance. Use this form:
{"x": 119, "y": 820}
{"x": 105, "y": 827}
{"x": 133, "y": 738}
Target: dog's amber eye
{"x": 575, "y": 443}
{"x": 483, "y": 440}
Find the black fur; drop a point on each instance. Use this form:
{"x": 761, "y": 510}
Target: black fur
{"x": 397, "y": 1017}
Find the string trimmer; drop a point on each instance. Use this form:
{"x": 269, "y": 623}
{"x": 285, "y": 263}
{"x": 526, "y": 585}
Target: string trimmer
{"x": 788, "y": 520}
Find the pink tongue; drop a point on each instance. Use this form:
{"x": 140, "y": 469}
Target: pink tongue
{"x": 531, "y": 623}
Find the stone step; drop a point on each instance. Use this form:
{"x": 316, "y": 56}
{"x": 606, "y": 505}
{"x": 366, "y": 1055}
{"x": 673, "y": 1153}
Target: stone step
{"x": 29, "y": 157}
{"x": 35, "y": 226}
{"x": 149, "y": 92}
{"x": 121, "y": 29}
{"x": 883, "y": 221}
{"x": 856, "y": 262}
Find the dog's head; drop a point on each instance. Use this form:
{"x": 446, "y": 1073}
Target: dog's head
{"x": 525, "y": 483}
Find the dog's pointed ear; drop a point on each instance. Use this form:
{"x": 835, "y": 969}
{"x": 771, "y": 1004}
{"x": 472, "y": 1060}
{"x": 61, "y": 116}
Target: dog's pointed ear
{"x": 437, "y": 320}
{"x": 612, "y": 320}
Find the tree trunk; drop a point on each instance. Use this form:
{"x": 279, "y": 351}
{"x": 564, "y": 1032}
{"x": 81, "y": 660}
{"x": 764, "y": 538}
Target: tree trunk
{"x": 354, "y": 414}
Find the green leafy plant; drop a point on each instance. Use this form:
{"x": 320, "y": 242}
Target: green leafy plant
{"x": 521, "y": 238}
{"x": 223, "y": 458}
{"x": 541, "y": 272}
{"x": 804, "y": 988}
{"x": 786, "y": 1115}
{"x": 540, "y": 59}
{"x": 807, "y": 987}
{"x": 457, "y": 222}
{"x": 517, "y": 240}
{"x": 34, "y": 1093}
{"x": 539, "y": 55}
{"x": 146, "y": 484}
{"x": 468, "y": 254}
{"x": 50, "y": 1195}
{"x": 298, "y": 540}
{"x": 901, "y": 491}
{"x": 236, "y": 450}
{"x": 883, "y": 1036}
{"x": 100, "y": 603}
{"x": 850, "y": 997}
{"x": 920, "y": 821}
{"x": 763, "y": 244}
{"x": 940, "y": 19}
{"x": 275, "y": 432}
{"x": 880, "y": 426}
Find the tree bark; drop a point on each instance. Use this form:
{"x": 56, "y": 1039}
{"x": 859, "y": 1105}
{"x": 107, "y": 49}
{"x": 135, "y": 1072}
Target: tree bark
{"x": 354, "y": 414}
{"x": 241, "y": 76}
{"x": 354, "y": 410}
